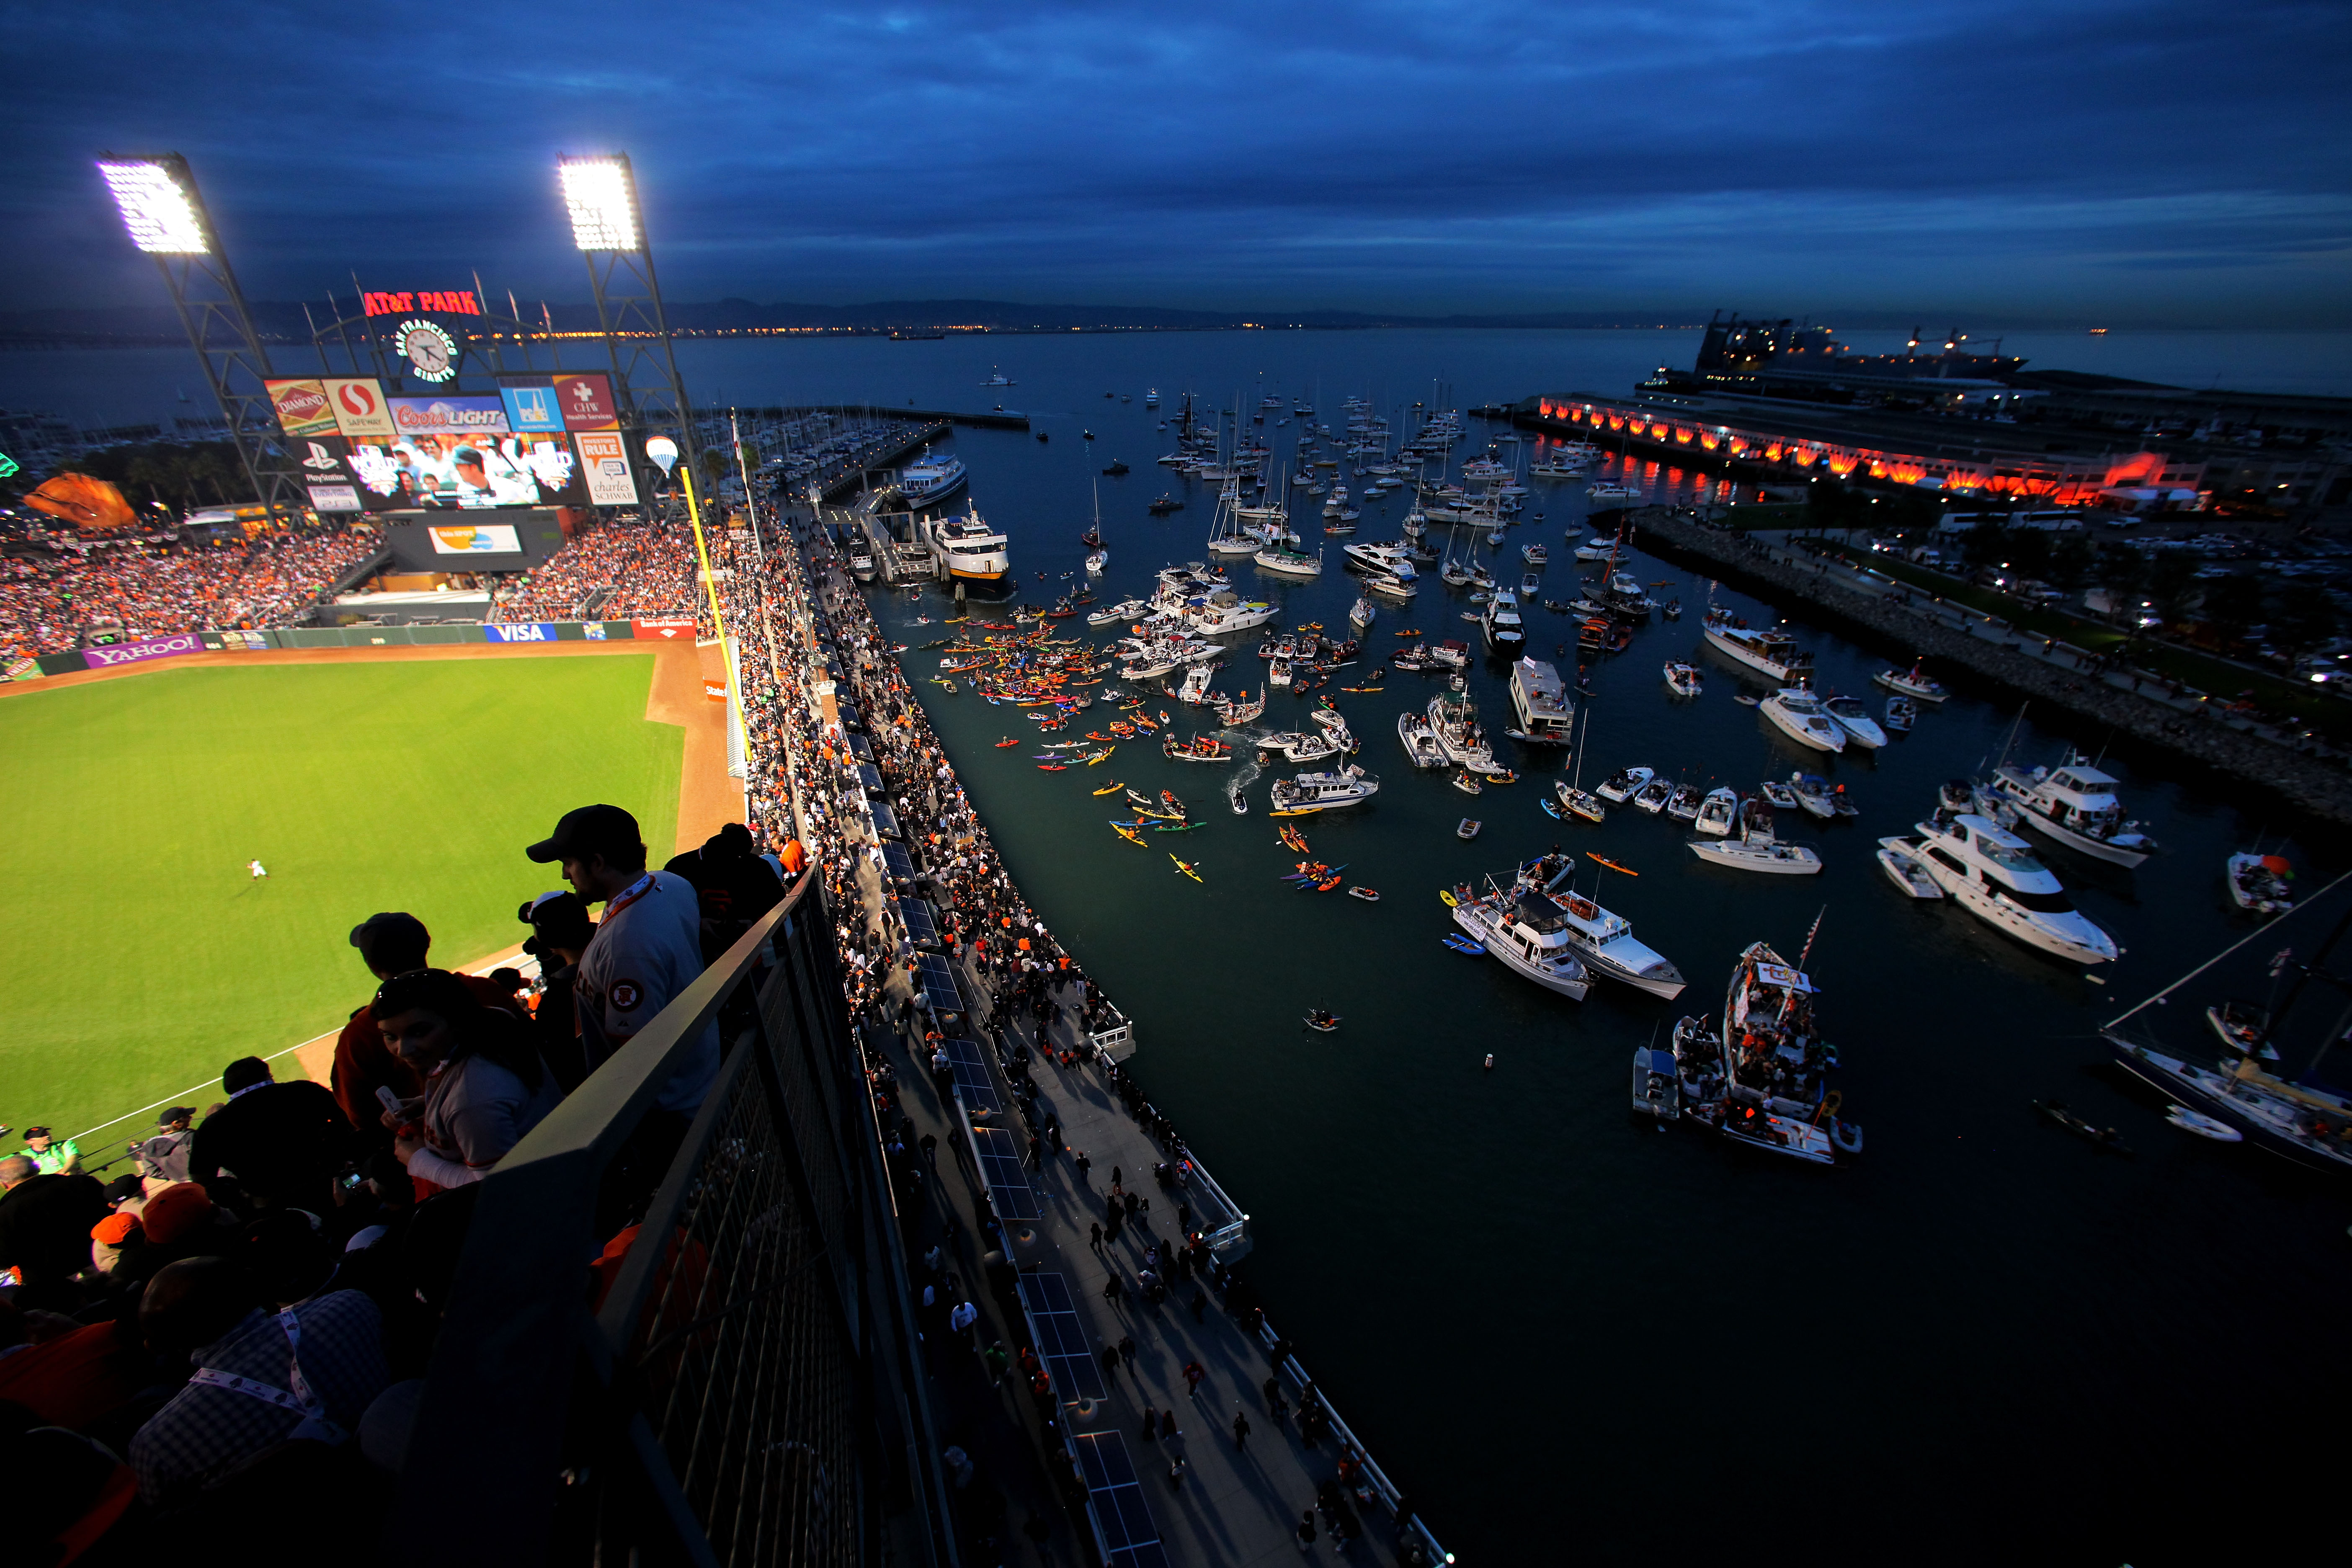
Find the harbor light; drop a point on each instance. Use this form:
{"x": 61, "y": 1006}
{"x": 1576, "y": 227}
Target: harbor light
{"x": 602, "y": 195}
{"x": 158, "y": 212}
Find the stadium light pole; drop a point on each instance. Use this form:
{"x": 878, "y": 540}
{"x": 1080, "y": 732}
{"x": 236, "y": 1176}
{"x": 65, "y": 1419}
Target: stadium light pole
{"x": 164, "y": 214}
{"x": 600, "y": 193}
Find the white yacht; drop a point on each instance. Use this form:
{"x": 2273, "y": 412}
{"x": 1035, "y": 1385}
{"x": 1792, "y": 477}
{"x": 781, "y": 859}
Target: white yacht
{"x": 1624, "y": 786}
{"x": 1716, "y": 813}
{"x": 1849, "y": 715}
{"x": 1504, "y": 634}
{"x": 1605, "y": 941}
{"x": 1798, "y": 714}
{"x": 1351, "y": 785}
{"x": 974, "y": 552}
{"x": 1220, "y": 612}
{"x": 1288, "y": 562}
{"x": 1528, "y": 932}
{"x": 1395, "y": 589}
{"x": 1773, "y": 652}
{"x": 1420, "y": 740}
{"x": 1545, "y": 714}
{"x": 1993, "y": 875}
{"x": 1112, "y": 614}
{"x": 2076, "y": 805}
{"x": 1454, "y": 719}
{"x": 930, "y": 477}
{"x": 1389, "y": 560}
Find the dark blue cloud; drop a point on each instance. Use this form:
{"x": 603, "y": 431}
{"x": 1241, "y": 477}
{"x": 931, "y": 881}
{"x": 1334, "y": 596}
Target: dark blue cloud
{"x": 2181, "y": 162}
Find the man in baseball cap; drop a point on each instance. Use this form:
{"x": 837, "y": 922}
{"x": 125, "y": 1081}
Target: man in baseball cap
{"x": 647, "y": 949}
{"x": 389, "y": 943}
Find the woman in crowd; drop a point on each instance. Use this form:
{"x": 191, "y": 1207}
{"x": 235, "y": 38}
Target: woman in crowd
{"x": 485, "y": 1086}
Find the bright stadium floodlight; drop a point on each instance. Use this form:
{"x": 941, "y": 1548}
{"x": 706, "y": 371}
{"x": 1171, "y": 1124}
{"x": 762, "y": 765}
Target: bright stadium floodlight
{"x": 158, "y": 211}
{"x": 603, "y": 196}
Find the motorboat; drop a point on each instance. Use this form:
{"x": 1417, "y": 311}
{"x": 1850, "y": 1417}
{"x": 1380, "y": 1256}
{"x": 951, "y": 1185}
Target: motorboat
{"x": 1195, "y": 687}
{"x": 1285, "y": 562}
{"x": 1775, "y": 1065}
{"x": 1798, "y": 714}
{"x": 1621, "y": 786}
{"x": 1603, "y": 940}
{"x": 1545, "y": 714}
{"x": 1420, "y": 740}
{"x": 1388, "y": 560}
{"x": 1899, "y": 858}
{"x": 1914, "y": 683}
{"x": 1504, "y": 634}
{"x": 1683, "y": 804}
{"x": 1596, "y": 550}
{"x": 1658, "y": 1088}
{"x": 1609, "y": 491}
{"x": 1902, "y": 713}
{"x": 1653, "y": 796}
{"x": 2076, "y": 805}
{"x": 1467, "y": 783}
{"x": 1684, "y": 679}
{"x": 1819, "y": 797}
{"x": 1396, "y": 590}
{"x": 1362, "y": 614}
{"x": 1717, "y": 811}
{"x": 1859, "y": 728}
{"x": 1299, "y": 745}
{"x": 1454, "y": 719}
{"x": 1528, "y": 932}
{"x": 1993, "y": 874}
{"x": 1755, "y": 848}
{"x": 2258, "y": 883}
{"x": 1774, "y": 792}
{"x": 1774, "y": 652}
{"x": 1351, "y": 785}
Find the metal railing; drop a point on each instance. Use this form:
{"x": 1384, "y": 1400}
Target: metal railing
{"x": 748, "y": 1391}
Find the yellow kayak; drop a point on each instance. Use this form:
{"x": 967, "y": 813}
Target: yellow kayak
{"x": 1130, "y": 834}
{"x": 1186, "y": 869}
{"x": 1107, "y": 788}
{"x": 1099, "y": 756}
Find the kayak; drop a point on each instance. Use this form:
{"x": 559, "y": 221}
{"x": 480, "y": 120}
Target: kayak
{"x": 1052, "y": 767}
{"x": 1612, "y": 864}
{"x": 1550, "y": 810}
{"x": 1183, "y": 868}
{"x": 1001, "y": 744}
{"x": 1130, "y": 834}
{"x": 1460, "y": 943}
{"x": 1176, "y": 827}
{"x": 1108, "y": 788}
{"x": 1450, "y": 902}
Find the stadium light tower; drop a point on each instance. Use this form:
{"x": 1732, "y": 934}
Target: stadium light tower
{"x": 607, "y": 226}
{"x": 164, "y": 214}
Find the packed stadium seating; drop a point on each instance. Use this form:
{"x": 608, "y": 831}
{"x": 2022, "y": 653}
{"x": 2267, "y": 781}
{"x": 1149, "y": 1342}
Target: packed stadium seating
{"x": 50, "y": 605}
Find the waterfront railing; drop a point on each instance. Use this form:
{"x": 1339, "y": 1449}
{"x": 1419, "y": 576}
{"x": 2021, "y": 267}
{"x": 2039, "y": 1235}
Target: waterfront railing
{"x": 743, "y": 1386}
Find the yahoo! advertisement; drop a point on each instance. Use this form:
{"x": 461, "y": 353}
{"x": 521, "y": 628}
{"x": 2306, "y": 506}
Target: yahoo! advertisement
{"x": 132, "y": 652}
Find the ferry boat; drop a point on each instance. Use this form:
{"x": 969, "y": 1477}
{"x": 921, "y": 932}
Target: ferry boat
{"x": 2075, "y": 804}
{"x": 1798, "y": 713}
{"x": 974, "y": 551}
{"x": 1351, "y": 785}
{"x": 1504, "y": 634}
{"x": 1993, "y": 875}
{"x": 1603, "y": 940}
{"x": 1528, "y": 932}
{"x": 1773, "y": 652}
{"x": 1545, "y": 714}
{"x": 931, "y": 478}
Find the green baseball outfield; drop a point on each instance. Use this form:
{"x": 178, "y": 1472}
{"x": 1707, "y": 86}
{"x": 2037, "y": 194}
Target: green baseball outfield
{"x": 141, "y": 955}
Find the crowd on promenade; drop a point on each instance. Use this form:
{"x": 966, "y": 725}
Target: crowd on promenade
{"x": 134, "y": 589}
{"x": 647, "y": 567}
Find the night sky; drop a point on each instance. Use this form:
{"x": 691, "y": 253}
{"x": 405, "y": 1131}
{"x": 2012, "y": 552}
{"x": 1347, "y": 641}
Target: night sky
{"x": 2045, "y": 161}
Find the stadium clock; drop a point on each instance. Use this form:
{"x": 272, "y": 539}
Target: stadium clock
{"x": 431, "y": 351}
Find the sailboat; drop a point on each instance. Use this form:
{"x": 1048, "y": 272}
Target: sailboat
{"x": 1228, "y": 535}
{"x": 2302, "y": 1118}
{"x": 1580, "y": 801}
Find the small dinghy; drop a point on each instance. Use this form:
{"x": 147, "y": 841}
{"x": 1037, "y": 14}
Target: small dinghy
{"x": 2202, "y": 1125}
{"x": 1901, "y": 714}
{"x": 2107, "y": 1137}
{"x": 1467, "y": 827}
{"x": 1369, "y": 894}
{"x": 1322, "y": 1022}
{"x": 1464, "y": 781}
{"x": 1746, "y": 699}
{"x": 1657, "y": 1087}
{"x": 1464, "y": 945}
{"x": 1900, "y": 859}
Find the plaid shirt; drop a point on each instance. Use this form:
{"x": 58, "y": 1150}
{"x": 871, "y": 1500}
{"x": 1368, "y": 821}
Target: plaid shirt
{"x": 204, "y": 1430}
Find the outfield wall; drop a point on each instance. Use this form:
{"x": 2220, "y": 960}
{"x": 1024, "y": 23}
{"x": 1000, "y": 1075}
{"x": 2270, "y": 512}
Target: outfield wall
{"x": 668, "y": 629}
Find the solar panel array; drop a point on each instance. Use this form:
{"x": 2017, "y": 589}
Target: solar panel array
{"x": 916, "y": 916}
{"x": 978, "y": 1090}
{"x": 870, "y": 777}
{"x": 998, "y": 1154}
{"x": 901, "y": 865}
{"x": 938, "y": 984}
{"x": 1117, "y": 1493}
{"x": 861, "y": 748}
{"x": 886, "y": 822}
{"x": 1062, "y": 1337}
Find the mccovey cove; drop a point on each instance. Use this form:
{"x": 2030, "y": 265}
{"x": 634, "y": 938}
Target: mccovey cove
{"x": 1459, "y": 1249}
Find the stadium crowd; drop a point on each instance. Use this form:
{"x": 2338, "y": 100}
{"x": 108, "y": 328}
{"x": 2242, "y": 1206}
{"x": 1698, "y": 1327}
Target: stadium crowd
{"x": 650, "y": 566}
{"x": 132, "y": 589}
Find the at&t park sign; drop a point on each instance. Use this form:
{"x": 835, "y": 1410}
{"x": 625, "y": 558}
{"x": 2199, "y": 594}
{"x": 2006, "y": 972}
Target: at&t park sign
{"x": 408, "y": 302}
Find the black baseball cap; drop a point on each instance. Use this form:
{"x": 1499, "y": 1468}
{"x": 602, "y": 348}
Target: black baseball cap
{"x": 176, "y": 1113}
{"x": 392, "y": 934}
{"x": 590, "y": 828}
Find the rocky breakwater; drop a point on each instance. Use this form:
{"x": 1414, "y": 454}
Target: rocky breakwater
{"x": 2140, "y": 706}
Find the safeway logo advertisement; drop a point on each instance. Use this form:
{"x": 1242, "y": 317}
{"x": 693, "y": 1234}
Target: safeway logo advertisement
{"x": 359, "y": 407}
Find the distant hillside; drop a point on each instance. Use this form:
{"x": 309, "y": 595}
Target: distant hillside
{"x": 284, "y": 321}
